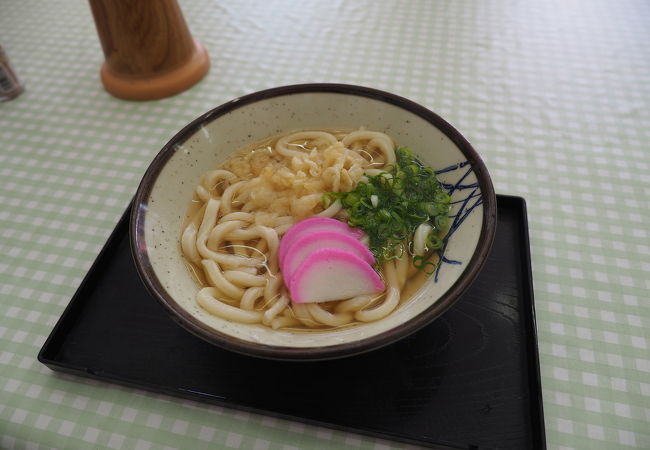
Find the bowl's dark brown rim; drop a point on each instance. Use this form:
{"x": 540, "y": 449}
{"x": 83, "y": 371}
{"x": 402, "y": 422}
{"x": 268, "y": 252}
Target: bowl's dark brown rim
{"x": 189, "y": 322}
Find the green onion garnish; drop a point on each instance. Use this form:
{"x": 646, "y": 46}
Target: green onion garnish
{"x": 392, "y": 204}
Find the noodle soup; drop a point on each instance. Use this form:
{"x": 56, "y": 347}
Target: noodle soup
{"x": 207, "y": 143}
{"x": 241, "y": 210}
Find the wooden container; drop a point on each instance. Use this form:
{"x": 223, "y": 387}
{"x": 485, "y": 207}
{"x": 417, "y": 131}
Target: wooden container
{"x": 148, "y": 49}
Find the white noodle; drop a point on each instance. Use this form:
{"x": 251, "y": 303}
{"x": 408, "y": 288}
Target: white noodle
{"x": 249, "y": 298}
{"x": 333, "y": 209}
{"x": 188, "y": 244}
{"x": 217, "y": 178}
{"x": 390, "y": 302}
{"x": 420, "y": 238}
{"x": 244, "y": 279}
{"x": 301, "y": 312}
{"x": 282, "y": 147}
{"x": 216, "y": 278}
{"x": 203, "y": 193}
{"x": 271, "y": 313}
{"x": 207, "y": 299}
{"x": 252, "y": 201}
{"x": 401, "y": 269}
{"x": 357, "y": 303}
{"x": 327, "y": 318}
{"x": 284, "y": 322}
{"x": 379, "y": 140}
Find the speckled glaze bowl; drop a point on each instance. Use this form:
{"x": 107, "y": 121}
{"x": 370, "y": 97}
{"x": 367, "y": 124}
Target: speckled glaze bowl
{"x": 166, "y": 190}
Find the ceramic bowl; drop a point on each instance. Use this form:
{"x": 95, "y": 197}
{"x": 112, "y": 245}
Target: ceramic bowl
{"x": 166, "y": 190}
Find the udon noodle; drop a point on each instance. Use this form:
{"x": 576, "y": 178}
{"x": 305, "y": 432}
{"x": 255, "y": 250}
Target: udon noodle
{"x": 241, "y": 210}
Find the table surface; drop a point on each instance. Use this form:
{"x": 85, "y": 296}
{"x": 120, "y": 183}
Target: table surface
{"x": 554, "y": 95}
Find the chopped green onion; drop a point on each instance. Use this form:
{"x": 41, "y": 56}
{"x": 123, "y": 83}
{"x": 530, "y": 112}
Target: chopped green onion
{"x": 390, "y": 206}
{"x": 434, "y": 242}
{"x": 442, "y": 222}
{"x": 421, "y": 263}
{"x": 441, "y": 197}
{"x": 327, "y": 200}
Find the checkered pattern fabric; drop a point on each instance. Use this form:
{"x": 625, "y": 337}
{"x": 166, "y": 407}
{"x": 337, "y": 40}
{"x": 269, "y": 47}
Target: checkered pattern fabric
{"x": 555, "y": 96}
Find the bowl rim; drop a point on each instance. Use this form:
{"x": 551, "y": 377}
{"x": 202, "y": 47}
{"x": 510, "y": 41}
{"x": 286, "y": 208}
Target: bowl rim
{"x": 213, "y": 336}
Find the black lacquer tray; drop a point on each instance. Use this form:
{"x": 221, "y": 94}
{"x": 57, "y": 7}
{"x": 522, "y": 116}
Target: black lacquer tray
{"x": 468, "y": 380}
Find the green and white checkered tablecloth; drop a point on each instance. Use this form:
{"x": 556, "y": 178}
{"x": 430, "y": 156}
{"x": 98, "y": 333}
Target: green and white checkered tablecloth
{"x": 555, "y": 95}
